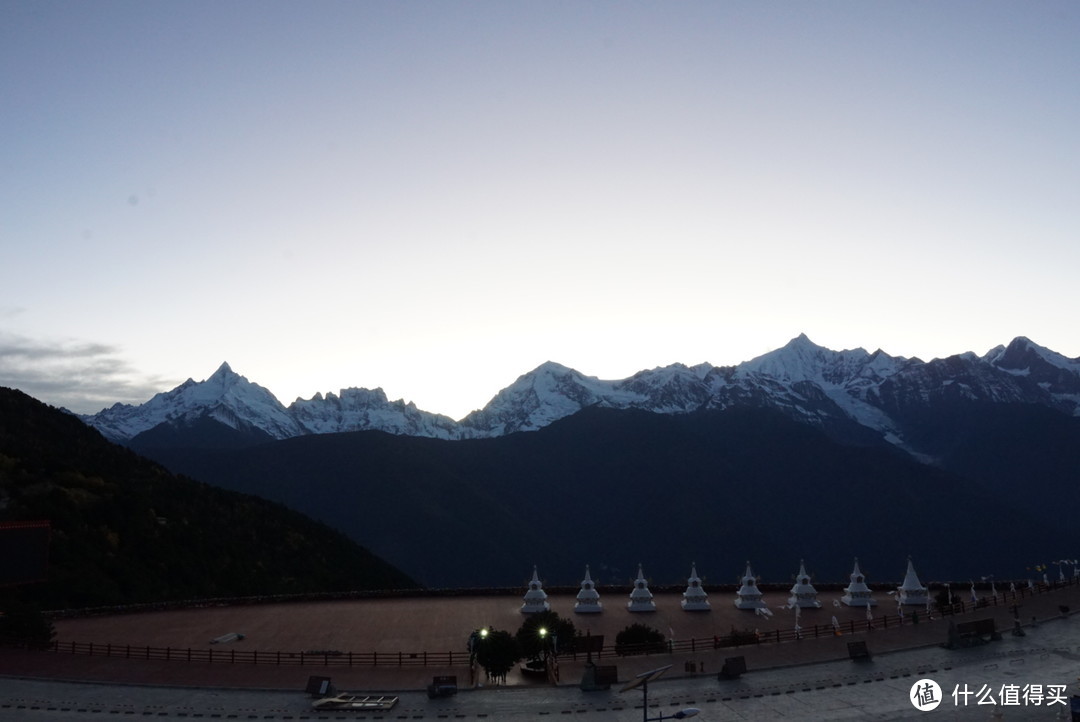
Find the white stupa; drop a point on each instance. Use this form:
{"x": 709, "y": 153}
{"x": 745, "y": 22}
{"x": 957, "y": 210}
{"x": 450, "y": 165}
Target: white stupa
{"x": 803, "y": 594}
{"x": 641, "y": 599}
{"x": 856, "y": 593}
{"x": 536, "y": 597}
{"x": 912, "y": 591}
{"x": 694, "y": 598}
{"x": 588, "y": 599}
{"x": 749, "y": 596}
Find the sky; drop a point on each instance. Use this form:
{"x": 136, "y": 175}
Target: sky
{"x": 437, "y": 197}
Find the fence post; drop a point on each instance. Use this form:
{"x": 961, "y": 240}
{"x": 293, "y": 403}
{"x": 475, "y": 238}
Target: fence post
{"x": 168, "y": 653}
{"x": 350, "y": 659}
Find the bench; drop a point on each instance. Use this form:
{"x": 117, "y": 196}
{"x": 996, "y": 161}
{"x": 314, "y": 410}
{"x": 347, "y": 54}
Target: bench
{"x": 442, "y": 686}
{"x": 733, "y": 667}
{"x": 858, "y": 650}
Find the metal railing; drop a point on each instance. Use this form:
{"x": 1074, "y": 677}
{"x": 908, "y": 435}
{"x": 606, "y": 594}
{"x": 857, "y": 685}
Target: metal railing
{"x": 242, "y": 656}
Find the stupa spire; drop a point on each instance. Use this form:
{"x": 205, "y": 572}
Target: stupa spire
{"x": 588, "y": 599}
{"x": 749, "y": 596}
{"x": 536, "y": 597}
{"x": 641, "y": 599}
{"x": 856, "y": 593}
{"x": 912, "y": 591}
{"x": 803, "y": 594}
{"x": 694, "y": 598}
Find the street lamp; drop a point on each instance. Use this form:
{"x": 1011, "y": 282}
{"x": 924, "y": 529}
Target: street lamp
{"x": 642, "y": 680}
{"x": 475, "y": 639}
{"x": 542, "y": 633}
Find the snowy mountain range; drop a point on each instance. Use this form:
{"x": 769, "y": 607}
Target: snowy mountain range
{"x": 874, "y": 397}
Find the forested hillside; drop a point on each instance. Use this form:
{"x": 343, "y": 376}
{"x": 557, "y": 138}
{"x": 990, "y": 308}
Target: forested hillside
{"x": 126, "y": 530}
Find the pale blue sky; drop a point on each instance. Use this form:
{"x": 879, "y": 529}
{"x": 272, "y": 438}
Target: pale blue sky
{"x": 435, "y": 197}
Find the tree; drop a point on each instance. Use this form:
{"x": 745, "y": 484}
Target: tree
{"x": 639, "y": 639}
{"x": 556, "y": 631}
{"x": 497, "y": 652}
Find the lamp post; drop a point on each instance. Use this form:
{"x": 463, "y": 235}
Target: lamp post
{"x": 475, "y": 640}
{"x": 642, "y": 680}
{"x": 542, "y": 633}
{"x": 549, "y": 652}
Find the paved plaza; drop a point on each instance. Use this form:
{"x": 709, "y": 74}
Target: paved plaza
{"x": 1026, "y": 677}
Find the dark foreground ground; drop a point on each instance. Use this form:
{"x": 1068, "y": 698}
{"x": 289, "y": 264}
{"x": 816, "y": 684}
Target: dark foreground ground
{"x": 807, "y": 679}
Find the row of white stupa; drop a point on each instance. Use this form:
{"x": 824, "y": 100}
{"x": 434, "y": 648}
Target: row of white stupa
{"x": 803, "y": 594}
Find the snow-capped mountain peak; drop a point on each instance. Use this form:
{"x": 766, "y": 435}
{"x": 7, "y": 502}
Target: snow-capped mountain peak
{"x": 803, "y": 360}
{"x": 552, "y": 391}
{"x": 225, "y": 396}
{"x": 357, "y": 409}
{"x": 816, "y": 385}
{"x": 668, "y": 389}
{"x": 548, "y": 392}
{"x": 1039, "y": 368}
{"x": 1023, "y": 353}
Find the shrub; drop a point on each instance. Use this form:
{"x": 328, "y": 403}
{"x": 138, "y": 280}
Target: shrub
{"x": 639, "y": 639}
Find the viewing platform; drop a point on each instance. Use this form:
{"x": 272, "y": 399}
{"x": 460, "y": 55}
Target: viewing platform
{"x": 400, "y": 642}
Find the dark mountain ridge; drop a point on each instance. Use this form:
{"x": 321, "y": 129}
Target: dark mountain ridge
{"x": 615, "y": 487}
